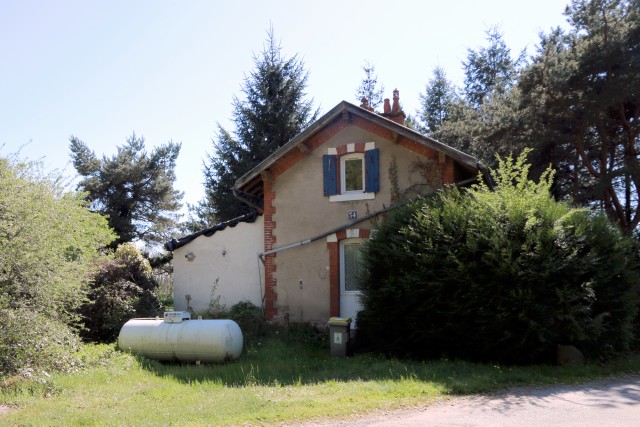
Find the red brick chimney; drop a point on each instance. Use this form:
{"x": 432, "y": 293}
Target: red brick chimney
{"x": 364, "y": 103}
{"x": 387, "y": 106}
{"x": 396, "y": 101}
{"x": 394, "y": 112}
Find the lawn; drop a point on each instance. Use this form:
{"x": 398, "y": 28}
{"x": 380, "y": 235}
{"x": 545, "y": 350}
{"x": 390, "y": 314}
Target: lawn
{"x": 276, "y": 380}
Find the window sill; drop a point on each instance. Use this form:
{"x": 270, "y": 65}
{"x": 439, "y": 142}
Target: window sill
{"x": 352, "y": 196}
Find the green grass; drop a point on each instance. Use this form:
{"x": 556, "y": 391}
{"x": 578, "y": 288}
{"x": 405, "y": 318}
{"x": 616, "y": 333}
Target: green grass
{"x": 273, "y": 381}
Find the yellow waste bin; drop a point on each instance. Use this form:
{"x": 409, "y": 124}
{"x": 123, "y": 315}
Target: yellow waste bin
{"x": 339, "y": 336}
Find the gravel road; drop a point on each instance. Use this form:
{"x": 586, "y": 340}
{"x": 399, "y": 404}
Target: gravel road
{"x": 602, "y": 403}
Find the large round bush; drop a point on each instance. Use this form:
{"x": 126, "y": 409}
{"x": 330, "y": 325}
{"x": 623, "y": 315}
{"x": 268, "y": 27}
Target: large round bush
{"x": 502, "y": 274}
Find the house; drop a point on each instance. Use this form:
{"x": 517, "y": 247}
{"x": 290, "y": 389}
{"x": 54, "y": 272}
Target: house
{"x": 321, "y": 195}
{"x": 219, "y": 264}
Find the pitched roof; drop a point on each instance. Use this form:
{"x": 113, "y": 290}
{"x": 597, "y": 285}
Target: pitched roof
{"x": 248, "y": 180}
{"x": 174, "y": 244}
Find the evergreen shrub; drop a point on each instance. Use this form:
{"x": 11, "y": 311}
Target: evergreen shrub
{"x": 501, "y": 275}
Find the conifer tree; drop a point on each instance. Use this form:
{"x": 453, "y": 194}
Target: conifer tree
{"x": 133, "y": 188}
{"x": 488, "y": 120}
{"x": 582, "y": 95}
{"x": 369, "y": 87}
{"x": 490, "y": 69}
{"x": 437, "y": 102}
{"x": 272, "y": 110}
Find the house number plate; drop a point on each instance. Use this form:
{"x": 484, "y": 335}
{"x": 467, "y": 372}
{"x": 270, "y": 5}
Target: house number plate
{"x": 352, "y": 214}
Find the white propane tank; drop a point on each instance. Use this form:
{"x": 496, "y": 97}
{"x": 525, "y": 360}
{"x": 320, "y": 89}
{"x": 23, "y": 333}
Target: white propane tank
{"x": 173, "y": 338}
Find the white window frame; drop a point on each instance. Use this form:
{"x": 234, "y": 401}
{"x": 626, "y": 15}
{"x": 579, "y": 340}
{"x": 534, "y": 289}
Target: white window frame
{"x": 344, "y": 195}
{"x": 343, "y": 172}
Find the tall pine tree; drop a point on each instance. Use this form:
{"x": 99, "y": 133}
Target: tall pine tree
{"x": 437, "y": 102}
{"x": 369, "y": 87}
{"x": 489, "y": 69}
{"x": 272, "y": 110}
{"x": 487, "y": 121}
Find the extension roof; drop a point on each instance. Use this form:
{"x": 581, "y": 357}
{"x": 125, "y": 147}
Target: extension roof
{"x": 174, "y": 244}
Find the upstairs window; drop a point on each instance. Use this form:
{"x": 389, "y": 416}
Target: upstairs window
{"x": 351, "y": 175}
{"x": 352, "y": 178}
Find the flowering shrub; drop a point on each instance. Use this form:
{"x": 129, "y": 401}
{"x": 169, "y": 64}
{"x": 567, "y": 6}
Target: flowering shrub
{"x": 49, "y": 242}
{"x": 32, "y": 344}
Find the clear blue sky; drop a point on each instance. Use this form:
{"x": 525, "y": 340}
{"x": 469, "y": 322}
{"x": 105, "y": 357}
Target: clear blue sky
{"x": 168, "y": 70}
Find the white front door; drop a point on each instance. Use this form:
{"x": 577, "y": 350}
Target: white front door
{"x": 350, "y": 267}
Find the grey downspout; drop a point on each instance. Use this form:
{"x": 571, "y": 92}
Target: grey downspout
{"x": 249, "y": 203}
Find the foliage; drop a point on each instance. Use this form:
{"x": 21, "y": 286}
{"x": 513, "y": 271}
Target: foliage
{"x": 498, "y": 127}
{"x": 489, "y": 69}
{"x": 576, "y": 102}
{"x": 124, "y": 287}
{"x": 248, "y": 316}
{"x": 499, "y": 275}
{"x": 369, "y": 87}
{"x": 215, "y": 309}
{"x": 272, "y": 111}
{"x": 437, "y": 103}
{"x": 32, "y": 344}
{"x": 225, "y": 166}
{"x": 488, "y": 120}
{"x": 581, "y": 95}
{"x": 165, "y": 288}
{"x": 133, "y": 188}
{"x": 49, "y": 242}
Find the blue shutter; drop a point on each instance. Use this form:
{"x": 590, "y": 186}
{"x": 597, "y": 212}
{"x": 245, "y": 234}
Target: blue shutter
{"x": 330, "y": 174}
{"x": 372, "y": 171}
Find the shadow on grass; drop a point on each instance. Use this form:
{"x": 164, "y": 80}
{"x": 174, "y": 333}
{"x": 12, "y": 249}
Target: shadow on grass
{"x": 276, "y": 361}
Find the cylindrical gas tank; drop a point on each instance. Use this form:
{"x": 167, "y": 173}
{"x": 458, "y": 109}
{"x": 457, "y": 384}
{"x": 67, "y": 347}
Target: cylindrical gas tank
{"x": 186, "y": 341}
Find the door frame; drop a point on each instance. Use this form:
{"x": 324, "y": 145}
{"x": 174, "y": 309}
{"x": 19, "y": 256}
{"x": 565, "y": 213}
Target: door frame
{"x": 333, "y": 245}
{"x": 346, "y": 295}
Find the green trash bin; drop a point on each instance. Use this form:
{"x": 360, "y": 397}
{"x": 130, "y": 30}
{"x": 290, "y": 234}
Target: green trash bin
{"x": 339, "y": 336}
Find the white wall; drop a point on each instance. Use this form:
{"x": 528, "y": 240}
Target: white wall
{"x": 228, "y": 257}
